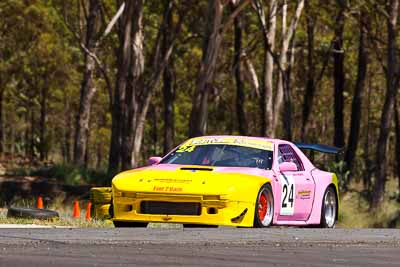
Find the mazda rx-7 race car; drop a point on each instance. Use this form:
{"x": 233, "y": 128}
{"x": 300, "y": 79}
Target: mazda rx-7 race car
{"x": 228, "y": 180}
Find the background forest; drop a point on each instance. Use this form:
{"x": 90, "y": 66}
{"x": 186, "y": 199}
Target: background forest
{"x": 104, "y": 84}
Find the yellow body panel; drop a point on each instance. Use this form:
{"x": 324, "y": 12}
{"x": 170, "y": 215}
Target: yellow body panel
{"x": 335, "y": 182}
{"x": 225, "y": 198}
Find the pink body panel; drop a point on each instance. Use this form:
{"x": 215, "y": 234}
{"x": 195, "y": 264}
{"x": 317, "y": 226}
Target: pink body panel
{"x": 323, "y": 180}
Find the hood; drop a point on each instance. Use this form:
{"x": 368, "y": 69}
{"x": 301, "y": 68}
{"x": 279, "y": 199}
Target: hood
{"x": 183, "y": 179}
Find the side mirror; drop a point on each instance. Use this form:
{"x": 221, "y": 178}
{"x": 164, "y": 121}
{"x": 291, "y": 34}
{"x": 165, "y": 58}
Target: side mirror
{"x": 153, "y": 160}
{"x": 287, "y": 167}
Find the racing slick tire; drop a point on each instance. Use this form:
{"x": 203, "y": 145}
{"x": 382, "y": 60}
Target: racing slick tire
{"x": 31, "y": 213}
{"x": 120, "y": 224}
{"x": 329, "y": 208}
{"x": 264, "y": 209}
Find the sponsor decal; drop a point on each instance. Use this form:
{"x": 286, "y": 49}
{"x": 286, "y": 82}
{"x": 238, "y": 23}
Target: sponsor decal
{"x": 191, "y": 144}
{"x": 304, "y": 194}
{"x": 167, "y": 180}
{"x": 170, "y": 189}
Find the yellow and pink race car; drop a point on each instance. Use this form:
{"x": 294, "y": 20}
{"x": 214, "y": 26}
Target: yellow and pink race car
{"x": 228, "y": 180}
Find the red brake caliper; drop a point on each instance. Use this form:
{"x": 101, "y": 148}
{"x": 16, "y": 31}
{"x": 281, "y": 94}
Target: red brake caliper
{"x": 262, "y": 207}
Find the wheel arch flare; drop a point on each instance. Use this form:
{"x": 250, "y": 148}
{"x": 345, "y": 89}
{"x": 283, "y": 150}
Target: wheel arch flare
{"x": 323, "y": 180}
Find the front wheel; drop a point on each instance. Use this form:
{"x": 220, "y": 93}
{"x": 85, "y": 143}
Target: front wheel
{"x": 329, "y": 209}
{"x": 264, "y": 210}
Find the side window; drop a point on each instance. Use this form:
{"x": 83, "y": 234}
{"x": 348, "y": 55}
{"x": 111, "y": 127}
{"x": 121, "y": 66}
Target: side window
{"x": 287, "y": 154}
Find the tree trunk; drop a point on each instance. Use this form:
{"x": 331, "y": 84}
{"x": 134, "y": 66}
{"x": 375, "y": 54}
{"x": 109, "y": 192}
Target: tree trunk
{"x": 269, "y": 31}
{"x": 240, "y": 97}
{"x": 271, "y": 103}
{"x": 358, "y": 97}
{"x": 123, "y": 63}
{"x": 133, "y": 92}
{"x": 87, "y": 89}
{"x": 99, "y": 156}
{"x": 2, "y": 147}
{"x": 154, "y": 130}
{"x": 169, "y": 114}
{"x": 212, "y": 42}
{"x": 13, "y": 141}
{"x": 367, "y": 161}
{"x": 310, "y": 84}
{"x": 283, "y": 89}
{"x": 160, "y": 59}
{"x": 32, "y": 135}
{"x": 287, "y": 99}
{"x": 168, "y": 88}
{"x": 114, "y": 157}
{"x": 392, "y": 81}
{"x": 87, "y": 151}
{"x": 339, "y": 77}
{"x": 397, "y": 123}
{"x": 278, "y": 100}
{"x": 67, "y": 130}
{"x": 43, "y": 117}
{"x": 133, "y": 88}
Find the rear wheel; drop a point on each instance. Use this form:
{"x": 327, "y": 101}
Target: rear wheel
{"x": 329, "y": 209}
{"x": 119, "y": 224}
{"x": 264, "y": 211}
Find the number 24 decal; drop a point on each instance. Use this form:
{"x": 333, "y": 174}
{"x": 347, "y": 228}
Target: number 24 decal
{"x": 287, "y": 196}
{"x": 184, "y": 148}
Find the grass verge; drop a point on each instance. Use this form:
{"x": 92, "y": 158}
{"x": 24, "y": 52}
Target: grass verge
{"x": 355, "y": 213}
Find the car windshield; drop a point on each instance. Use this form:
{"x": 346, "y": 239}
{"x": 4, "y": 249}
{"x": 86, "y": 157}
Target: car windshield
{"x": 221, "y": 155}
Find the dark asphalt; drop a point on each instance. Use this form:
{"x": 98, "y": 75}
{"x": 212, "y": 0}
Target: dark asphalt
{"x": 200, "y": 247}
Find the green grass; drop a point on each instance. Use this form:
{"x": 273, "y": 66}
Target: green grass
{"x": 62, "y": 221}
{"x": 64, "y": 210}
{"x": 355, "y": 213}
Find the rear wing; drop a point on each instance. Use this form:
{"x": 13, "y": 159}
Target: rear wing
{"x": 320, "y": 148}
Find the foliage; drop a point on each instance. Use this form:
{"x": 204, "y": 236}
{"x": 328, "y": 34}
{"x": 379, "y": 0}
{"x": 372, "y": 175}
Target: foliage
{"x": 40, "y": 51}
{"x": 343, "y": 174}
{"x": 72, "y": 175}
{"x": 355, "y": 212}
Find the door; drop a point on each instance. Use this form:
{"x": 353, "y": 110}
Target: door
{"x": 296, "y": 187}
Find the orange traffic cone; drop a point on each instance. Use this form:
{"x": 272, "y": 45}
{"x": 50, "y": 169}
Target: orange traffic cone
{"x": 77, "y": 212}
{"x": 39, "y": 203}
{"x": 88, "y": 208}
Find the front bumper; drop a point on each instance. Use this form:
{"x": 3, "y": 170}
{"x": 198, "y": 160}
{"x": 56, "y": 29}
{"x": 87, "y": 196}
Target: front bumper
{"x": 214, "y": 210}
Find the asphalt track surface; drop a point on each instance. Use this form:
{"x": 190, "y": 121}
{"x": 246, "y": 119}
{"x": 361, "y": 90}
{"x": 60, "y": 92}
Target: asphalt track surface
{"x": 200, "y": 247}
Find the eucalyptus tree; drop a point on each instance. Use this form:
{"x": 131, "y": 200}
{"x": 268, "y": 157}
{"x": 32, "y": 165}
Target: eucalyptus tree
{"x": 134, "y": 87}
{"x": 215, "y": 30}
{"x": 273, "y": 100}
{"x": 338, "y": 74}
{"x": 88, "y": 88}
{"x": 356, "y": 109}
{"x": 392, "y": 87}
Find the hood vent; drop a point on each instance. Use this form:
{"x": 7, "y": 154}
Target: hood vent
{"x": 196, "y": 169}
